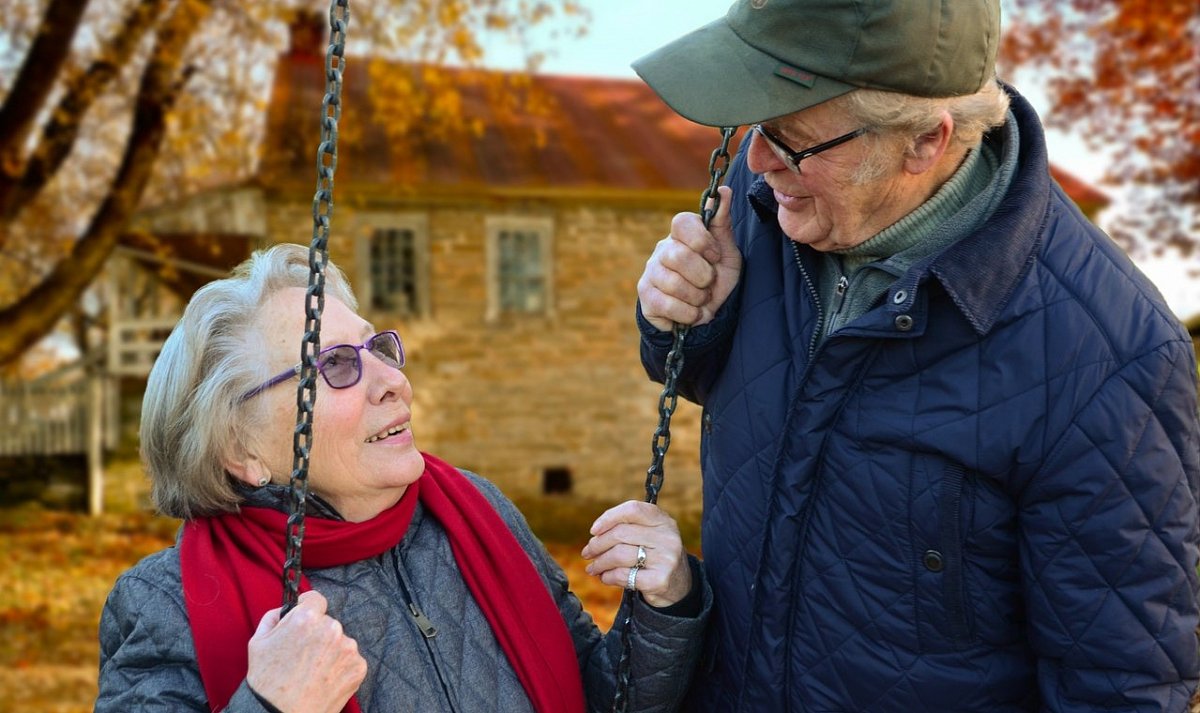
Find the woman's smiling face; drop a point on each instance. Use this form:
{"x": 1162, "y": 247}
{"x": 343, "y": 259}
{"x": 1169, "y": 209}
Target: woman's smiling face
{"x": 363, "y": 454}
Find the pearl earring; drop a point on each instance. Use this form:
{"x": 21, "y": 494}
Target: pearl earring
{"x": 262, "y": 482}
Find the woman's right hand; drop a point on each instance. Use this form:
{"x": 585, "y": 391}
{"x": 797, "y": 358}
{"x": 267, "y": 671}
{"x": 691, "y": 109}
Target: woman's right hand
{"x": 304, "y": 662}
{"x": 692, "y": 271}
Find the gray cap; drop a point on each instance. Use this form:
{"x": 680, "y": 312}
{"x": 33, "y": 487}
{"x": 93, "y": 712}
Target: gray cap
{"x": 768, "y": 58}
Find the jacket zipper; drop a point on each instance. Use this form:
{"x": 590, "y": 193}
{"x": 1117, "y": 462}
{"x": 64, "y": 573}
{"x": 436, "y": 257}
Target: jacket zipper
{"x": 816, "y": 299}
{"x": 814, "y": 343}
{"x": 839, "y": 291}
{"x": 425, "y": 625}
{"x": 839, "y": 299}
{"x": 428, "y": 630}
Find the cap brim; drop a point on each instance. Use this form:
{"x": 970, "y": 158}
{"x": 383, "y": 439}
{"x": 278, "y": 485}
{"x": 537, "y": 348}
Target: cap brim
{"x": 712, "y": 77}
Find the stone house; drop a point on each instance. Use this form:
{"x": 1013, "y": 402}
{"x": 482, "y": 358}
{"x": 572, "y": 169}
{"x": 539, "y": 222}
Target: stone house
{"x": 508, "y": 264}
{"x": 507, "y": 260}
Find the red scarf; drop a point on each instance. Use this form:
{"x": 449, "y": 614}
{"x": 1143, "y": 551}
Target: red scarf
{"x": 232, "y": 575}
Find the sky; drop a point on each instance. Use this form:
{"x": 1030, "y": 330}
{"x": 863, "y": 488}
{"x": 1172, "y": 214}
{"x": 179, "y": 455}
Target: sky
{"x": 621, "y": 31}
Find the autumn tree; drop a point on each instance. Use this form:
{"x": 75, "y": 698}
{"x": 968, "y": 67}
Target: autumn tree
{"x": 108, "y": 104}
{"x": 1125, "y": 75}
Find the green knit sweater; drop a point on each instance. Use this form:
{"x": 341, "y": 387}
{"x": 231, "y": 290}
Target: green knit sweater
{"x": 855, "y": 279}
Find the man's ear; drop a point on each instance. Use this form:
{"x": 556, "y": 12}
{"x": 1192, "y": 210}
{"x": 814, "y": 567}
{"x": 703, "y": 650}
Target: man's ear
{"x": 930, "y": 147}
{"x": 247, "y": 468}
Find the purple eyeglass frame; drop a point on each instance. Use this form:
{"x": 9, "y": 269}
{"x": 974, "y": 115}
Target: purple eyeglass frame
{"x": 295, "y": 370}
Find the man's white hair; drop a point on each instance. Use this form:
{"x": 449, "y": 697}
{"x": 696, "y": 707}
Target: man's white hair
{"x": 905, "y": 118}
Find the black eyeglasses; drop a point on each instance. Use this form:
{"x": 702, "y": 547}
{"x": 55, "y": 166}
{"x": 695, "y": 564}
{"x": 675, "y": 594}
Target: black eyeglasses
{"x": 792, "y": 158}
{"x": 341, "y": 364}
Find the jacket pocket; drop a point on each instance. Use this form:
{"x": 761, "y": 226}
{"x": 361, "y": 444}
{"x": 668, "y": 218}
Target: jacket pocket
{"x": 951, "y": 499}
{"x": 939, "y": 510}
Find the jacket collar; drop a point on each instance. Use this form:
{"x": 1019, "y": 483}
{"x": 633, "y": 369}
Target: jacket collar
{"x": 981, "y": 271}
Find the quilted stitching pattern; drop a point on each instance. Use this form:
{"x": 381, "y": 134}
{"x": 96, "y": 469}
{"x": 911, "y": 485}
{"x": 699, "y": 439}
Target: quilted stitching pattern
{"x": 1043, "y": 446}
{"x": 146, "y": 664}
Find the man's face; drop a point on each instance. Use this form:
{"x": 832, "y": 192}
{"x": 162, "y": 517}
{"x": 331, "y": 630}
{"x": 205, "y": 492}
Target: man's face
{"x": 825, "y": 206}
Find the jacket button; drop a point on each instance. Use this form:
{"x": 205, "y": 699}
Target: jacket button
{"x": 899, "y": 297}
{"x": 707, "y": 422}
{"x": 904, "y": 322}
{"x": 933, "y": 560}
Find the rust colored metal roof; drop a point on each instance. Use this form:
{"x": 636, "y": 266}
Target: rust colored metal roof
{"x": 1087, "y": 197}
{"x": 595, "y": 133}
{"x": 606, "y": 135}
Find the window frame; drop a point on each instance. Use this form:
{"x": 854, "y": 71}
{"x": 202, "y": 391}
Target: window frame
{"x": 543, "y": 228}
{"x": 370, "y": 225}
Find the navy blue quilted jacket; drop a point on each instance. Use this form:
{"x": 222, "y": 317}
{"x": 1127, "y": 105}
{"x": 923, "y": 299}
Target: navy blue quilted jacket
{"x": 981, "y": 495}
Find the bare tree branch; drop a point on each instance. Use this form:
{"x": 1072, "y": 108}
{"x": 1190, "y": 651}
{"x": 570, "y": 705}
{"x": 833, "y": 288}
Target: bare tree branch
{"x": 35, "y": 79}
{"x": 62, "y": 128}
{"x": 35, "y": 314}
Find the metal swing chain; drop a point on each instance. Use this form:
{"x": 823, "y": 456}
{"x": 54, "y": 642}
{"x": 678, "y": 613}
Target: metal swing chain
{"x": 718, "y": 164}
{"x": 318, "y": 258}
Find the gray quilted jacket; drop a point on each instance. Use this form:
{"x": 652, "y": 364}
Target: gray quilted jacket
{"x": 148, "y": 663}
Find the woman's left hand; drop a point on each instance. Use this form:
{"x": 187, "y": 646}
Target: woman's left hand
{"x": 664, "y": 577}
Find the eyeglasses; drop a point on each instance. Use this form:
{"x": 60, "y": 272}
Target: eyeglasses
{"x": 341, "y": 364}
{"x": 792, "y": 158}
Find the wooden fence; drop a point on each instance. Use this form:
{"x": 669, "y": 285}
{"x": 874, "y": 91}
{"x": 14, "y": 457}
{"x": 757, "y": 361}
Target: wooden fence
{"x": 63, "y": 414}
{"x": 43, "y": 418}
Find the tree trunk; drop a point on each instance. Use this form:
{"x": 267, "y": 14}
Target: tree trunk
{"x": 36, "y": 78}
{"x": 18, "y": 186}
{"x": 35, "y": 315}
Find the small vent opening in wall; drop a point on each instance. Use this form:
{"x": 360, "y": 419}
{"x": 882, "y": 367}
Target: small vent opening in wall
{"x": 556, "y": 481}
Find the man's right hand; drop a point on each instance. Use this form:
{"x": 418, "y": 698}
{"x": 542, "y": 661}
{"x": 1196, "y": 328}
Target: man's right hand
{"x": 692, "y": 271}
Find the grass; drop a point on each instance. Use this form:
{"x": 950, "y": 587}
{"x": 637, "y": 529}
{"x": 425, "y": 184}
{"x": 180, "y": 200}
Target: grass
{"x": 59, "y": 566}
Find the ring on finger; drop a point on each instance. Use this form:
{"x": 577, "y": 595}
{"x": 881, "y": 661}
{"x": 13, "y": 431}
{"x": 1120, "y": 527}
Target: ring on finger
{"x": 641, "y": 557}
{"x": 631, "y": 583}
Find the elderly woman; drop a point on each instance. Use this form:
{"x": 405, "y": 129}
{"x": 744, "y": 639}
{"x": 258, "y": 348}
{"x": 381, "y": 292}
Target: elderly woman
{"x": 424, "y": 588}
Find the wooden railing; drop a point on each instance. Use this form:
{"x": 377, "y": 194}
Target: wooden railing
{"x": 71, "y": 411}
{"x": 43, "y": 418}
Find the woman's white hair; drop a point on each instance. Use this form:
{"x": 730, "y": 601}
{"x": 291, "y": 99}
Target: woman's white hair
{"x": 905, "y": 118}
{"x": 194, "y": 418}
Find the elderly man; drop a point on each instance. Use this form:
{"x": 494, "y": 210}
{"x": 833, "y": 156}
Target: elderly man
{"x": 950, "y": 432}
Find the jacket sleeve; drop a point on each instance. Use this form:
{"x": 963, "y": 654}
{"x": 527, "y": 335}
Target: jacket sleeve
{"x": 665, "y": 649}
{"x": 664, "y": 653}
{"x": 147, "y": 661}
{"x": 1109, "y": 545}
{"x": 707, "y": 345}
{"x": 704, "y": 351}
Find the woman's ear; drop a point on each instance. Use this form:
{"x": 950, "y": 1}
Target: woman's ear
{"x": 930, "y": 147}
{"x": 248, "y": 469}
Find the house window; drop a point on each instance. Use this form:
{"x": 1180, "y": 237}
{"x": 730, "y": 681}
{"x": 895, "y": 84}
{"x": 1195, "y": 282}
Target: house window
{"x": 519, "y": 266}
{"x": 393, "y": 259}
{"x": 522, "y": 284}
{"x": 393, "y": 270}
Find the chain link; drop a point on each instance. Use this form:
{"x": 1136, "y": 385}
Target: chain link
{"x": 318, "y": 258}
{"x": 710, "y": 200}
